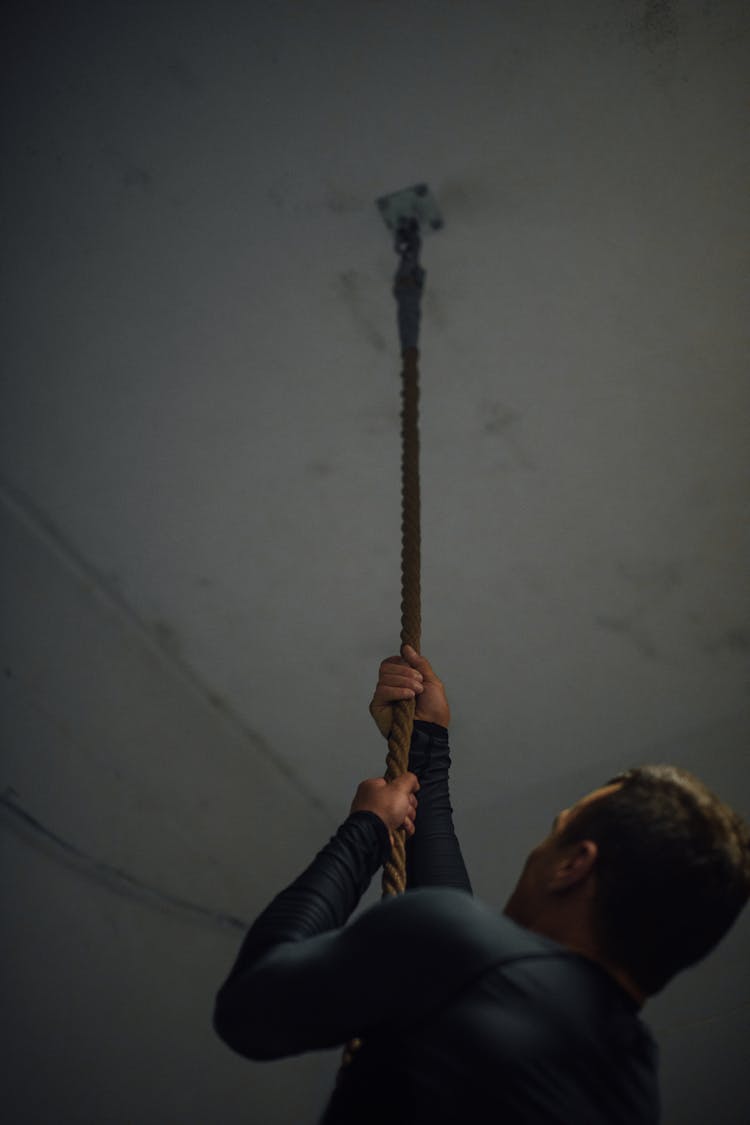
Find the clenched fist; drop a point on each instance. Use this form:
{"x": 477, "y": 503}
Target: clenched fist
{"x": 393, "y": 801}
{"x": 409, "y": 676}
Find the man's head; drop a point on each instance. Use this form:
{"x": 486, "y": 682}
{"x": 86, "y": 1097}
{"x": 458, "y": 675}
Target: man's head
{"x": 645, "y": 875}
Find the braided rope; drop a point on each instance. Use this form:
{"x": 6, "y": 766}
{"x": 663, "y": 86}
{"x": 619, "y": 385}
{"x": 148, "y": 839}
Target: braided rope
{"x": 399, "y": 741}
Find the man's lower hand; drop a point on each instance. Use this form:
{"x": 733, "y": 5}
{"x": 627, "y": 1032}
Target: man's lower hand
{"x": 393, "y": 801}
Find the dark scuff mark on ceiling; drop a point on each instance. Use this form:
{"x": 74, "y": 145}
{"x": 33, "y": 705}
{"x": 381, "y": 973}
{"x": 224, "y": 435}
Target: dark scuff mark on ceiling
{"x": 351, "y": 291}
{"x": 113, "y": 878}
{"x": 658, "y": 23}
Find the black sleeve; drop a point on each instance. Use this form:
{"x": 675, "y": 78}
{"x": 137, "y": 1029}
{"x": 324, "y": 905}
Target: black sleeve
{"x": 319, "y": 900}
{"x": 433, "y": 854}
{"x": 291, "y": 992}
{"x": 302, "y": 979}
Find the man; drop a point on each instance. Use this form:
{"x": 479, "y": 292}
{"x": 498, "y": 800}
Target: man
{"x": 465, "y": 1013}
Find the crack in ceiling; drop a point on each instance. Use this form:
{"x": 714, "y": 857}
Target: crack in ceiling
{"x": 114, "y": 878}
{"x": 160, "y": 638}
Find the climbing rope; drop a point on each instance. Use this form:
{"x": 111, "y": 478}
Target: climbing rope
{"x": 407, "y": 289}
{"x": 399, "y": 740}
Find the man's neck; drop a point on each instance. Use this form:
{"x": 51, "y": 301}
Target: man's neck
{"x": 623, "y": 978}
{"x": 578, "y": 939}
{"x": 625, "y": 981}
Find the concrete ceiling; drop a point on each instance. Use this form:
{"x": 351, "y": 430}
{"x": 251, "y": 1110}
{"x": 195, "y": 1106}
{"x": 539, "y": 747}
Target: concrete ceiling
{"x": 200, "y": 483}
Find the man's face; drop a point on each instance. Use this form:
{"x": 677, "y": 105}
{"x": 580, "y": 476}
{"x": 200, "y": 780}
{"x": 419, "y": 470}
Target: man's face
{"x": 531, "y": 893}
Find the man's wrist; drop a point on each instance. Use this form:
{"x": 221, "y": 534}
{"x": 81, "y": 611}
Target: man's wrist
{"x": 429, "y": 727}
{"x": 379, "y": 827}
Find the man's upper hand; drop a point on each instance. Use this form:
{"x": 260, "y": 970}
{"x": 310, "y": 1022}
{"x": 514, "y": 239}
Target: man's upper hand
{"x": 409, "y": 676}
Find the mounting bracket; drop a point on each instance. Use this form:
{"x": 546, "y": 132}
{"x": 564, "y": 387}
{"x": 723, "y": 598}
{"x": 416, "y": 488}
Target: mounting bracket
{"x": 404, "y": 212}
{"x": 417, "y": 202}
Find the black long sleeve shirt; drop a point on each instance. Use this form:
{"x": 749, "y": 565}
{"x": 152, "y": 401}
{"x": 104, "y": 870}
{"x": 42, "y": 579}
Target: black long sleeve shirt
{"x": 464, "y": 1015}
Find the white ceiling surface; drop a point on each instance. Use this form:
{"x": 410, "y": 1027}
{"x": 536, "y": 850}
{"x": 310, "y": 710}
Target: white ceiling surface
{"x": 200, "y": 458}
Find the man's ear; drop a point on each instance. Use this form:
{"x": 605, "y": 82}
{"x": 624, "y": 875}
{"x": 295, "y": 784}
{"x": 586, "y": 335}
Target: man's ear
{"x": 577, "y": 864}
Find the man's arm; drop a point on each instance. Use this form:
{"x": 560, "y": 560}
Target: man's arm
{"x": 300, "y": 986}
{"x": 319, "y": 901}
{"x": 433, "y": 853}
{"x": 290, "y": 931}
{"x": 302, "y": 981}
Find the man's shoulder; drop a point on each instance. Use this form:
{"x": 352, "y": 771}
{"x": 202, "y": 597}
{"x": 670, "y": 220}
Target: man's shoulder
{"x": 455, "y": 922}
